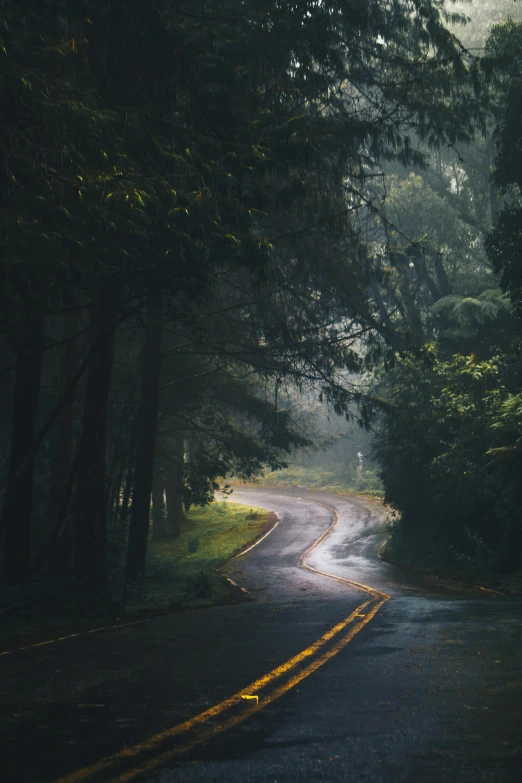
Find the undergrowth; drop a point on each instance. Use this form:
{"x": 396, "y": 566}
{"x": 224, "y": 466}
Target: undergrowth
{"x": 180, "y": 574}
{"x": 470, "y": 562}
{"x": 183, "y": 572}
{"x": 334, "y": 480}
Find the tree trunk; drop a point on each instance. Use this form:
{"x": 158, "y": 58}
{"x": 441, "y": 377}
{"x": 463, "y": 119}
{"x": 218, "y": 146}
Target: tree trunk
{"x": 18, "y": 504}
{"x": 493, "y": 192}
{"x": 117, "y": 470}
{"x": 117, "y": 490}
{"x": 60, "y": 558}
{"x": 174, "y": 487}
{"x": 90, "y": 501}
{"x": 159, "y": 520}
{"x": 412, "y": 310}
{"x": 145, "y": 446}
{"x": 127, "y": 492}
{"x": 442, "y": 278}
{"x": 424, "y": 276}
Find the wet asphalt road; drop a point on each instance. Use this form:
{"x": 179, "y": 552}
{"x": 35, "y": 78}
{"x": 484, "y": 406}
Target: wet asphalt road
{"x": 429, "y": 690}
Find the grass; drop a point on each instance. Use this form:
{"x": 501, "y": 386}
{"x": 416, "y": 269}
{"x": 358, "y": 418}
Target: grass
{"x": 323, "y": 479}
{"x": 180, "y": 574}
{"x": 184, "y": 572}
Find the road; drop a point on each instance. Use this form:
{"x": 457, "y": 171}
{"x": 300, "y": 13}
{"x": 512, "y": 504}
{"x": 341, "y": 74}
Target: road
{"x": 315, "y": 678}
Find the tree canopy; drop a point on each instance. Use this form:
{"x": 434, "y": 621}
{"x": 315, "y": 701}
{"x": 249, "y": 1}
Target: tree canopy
{"x": 206, "y": 205}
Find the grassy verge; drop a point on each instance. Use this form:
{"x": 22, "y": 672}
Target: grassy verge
{"x": 184, "y": 573}
{"x": 321, "y": 479}
{"x": 180, "y": 574}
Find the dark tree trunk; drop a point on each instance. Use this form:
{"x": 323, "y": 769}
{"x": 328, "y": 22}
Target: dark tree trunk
{"x": 424, "y": 276}
{"x": 91, "y": 500}
{"x": 116, "y": 473}
{"x": 174, "y": 487}
{"x": 18, "y": 503}
{"x": 391, "y": 335}
{"x": 60, "y": 526}
{"x": 445, "y": 286}
{"x": 117, "y": 489}
{"x": 127, "y": 492}
{"x": 60, "y": 558}
{"x": 412, "y": 310}
{"x": 159, "y": 519}
{"x": 127, "y": 481}
{"x": 145, "y": 447}
{"x": 493, "y": 192}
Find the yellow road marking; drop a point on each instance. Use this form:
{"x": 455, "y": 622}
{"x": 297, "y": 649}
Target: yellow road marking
{"x": 79, "y": 633}
{"x": 212, "y": 712}
{"x": 250, "y": 698}
{"x": 132, "y": 622}
{"x": 146, "y": 619}
{"x": 157, "y": 761}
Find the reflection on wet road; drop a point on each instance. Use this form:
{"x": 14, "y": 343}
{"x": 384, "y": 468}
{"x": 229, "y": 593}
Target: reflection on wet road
{"x": 428, "y": 689}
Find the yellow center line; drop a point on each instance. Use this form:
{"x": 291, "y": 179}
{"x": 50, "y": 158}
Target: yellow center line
{"x": 117, "y": 626}
{"x": 250, "y": 705}
{"x": 160, "y": 759}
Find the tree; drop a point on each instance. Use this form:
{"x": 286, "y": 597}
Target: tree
{"x": 18, "y": 502}
{"x": 219, "y": 158}
{"x": 145, "y": 448}
{"x": 447, "y": 438}
{"x": 504, "y": 243}
{"x": 450, "y": 431}
{"x": 91, "y": 489}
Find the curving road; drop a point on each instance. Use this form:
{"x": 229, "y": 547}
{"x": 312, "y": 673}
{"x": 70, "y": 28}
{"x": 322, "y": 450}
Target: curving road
{"x": 314, "y": 679}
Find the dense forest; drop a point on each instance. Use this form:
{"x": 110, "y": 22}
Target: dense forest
{"x": 210, "y": 211}
{"x": 449, "y": 442}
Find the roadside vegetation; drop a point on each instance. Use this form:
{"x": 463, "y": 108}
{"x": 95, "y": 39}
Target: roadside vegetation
{"x": 223, "y": 227}
{"x": 185, "y": 572}
{"x": 182, "y": 574}
{"x": 449, "y": 432}
{"x": 323, "y": 479}
{"x": 342, "y": 462}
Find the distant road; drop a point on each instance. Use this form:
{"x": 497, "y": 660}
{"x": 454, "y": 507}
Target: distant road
{"x": 316, "y": 678}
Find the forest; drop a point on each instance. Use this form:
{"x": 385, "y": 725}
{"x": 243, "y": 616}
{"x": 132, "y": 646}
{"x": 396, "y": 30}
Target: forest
{"x": 212, "y": 214}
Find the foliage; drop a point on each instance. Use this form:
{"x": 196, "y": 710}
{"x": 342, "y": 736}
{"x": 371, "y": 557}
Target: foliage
{"x": 503, "y": 60}
{"x": 339, "y": 459}
{"x": 452, "y": 428}
{"x": 482, "y": 15}
{"x": 448, "y": 428}
{"x": 184, "y": 571}
{"x": 193, "y": 182}
{"x": 181, "y": 575}
{"x": 329, "y": 479}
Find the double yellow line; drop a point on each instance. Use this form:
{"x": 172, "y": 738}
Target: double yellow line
{"x": 144, "y": 757}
